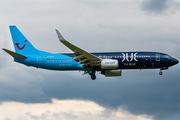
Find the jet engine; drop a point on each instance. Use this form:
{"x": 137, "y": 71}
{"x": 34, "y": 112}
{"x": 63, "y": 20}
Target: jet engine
{"x": 111, "y": 73}
{"x": 109, "y": 64}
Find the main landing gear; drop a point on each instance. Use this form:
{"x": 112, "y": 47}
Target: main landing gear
{"x": 93, "y": 77}
{"x": 92, "y": 73}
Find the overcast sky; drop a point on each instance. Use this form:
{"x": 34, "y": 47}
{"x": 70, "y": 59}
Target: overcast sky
{"x": 95, "y": 26}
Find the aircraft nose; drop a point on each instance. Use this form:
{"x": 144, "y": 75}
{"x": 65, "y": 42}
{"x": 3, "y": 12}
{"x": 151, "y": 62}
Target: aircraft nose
{"x": 175, "y": 61}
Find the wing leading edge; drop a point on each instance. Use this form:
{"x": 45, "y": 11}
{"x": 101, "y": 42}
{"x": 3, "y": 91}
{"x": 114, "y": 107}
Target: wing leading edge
{"x": 84, "y": 57}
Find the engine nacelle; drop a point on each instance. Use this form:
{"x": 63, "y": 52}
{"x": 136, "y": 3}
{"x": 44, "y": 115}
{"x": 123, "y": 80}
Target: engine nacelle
{"x": 111, "y": 73}
{"x": 109, "y": 64}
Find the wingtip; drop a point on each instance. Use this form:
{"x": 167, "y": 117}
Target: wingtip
{"x": 56, "y": 30}
{"x": 59, "y": 35}
{"x": 4, "y": 49}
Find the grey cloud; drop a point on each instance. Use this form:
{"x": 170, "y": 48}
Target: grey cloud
{"x": 136, "y": 93}
{"x": 160, "y": 6}
{"x": 7, "y": 119}
{"x": 54, "y": 116}
{"x": 22, "y": 93}
{"x": 156, "y": 6}
{"x": 42, "y": 117}
{"x": 20, "y": 85}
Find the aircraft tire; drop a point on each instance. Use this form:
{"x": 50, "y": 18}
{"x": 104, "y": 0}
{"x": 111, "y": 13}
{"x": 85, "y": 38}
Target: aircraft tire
{"x": 93, "y": 77}
{"x": 160, "y": 73}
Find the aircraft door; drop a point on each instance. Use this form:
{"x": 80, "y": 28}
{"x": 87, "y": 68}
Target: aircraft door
{"x": 157, "y": 57}
{"x": 38, "y": 59}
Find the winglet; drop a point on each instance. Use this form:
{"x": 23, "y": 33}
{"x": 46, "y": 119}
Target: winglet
{"x": 15, "y": 55}
{"x": 60, "y": 36}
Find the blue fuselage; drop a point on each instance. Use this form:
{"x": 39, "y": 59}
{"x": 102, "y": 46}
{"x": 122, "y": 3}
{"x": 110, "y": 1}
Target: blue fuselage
{"x": 126, "y": 60}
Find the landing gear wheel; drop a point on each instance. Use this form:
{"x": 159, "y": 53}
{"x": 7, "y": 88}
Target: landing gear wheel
{"x": 93, "y": 77}
{"x": 160, "y": 73}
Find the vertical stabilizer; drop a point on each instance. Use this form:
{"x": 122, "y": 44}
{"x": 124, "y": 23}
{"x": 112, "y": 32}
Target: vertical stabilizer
{"x": 21, "y": 43}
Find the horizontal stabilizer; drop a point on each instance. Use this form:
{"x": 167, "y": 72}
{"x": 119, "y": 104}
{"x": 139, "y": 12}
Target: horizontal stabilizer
{"x": 15, "y": 55}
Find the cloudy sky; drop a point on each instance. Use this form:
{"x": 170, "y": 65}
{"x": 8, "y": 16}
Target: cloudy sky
{"x": 95, "y": 26}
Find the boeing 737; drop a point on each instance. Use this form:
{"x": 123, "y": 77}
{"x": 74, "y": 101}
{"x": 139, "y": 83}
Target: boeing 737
{"x": 107, "y": 63}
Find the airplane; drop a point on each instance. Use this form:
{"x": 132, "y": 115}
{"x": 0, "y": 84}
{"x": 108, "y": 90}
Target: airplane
{"x": 109, "y": 64}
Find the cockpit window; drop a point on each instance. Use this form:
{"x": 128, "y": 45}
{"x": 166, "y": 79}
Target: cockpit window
{"x": 167, "y": 56}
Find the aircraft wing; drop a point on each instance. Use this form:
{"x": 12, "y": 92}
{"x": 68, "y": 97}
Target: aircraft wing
{"x": 84, "y": 57}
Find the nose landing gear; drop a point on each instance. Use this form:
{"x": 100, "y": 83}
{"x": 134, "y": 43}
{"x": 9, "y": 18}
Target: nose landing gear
{"x": 160, "y": 73}
{"x": 163, "y": 68}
